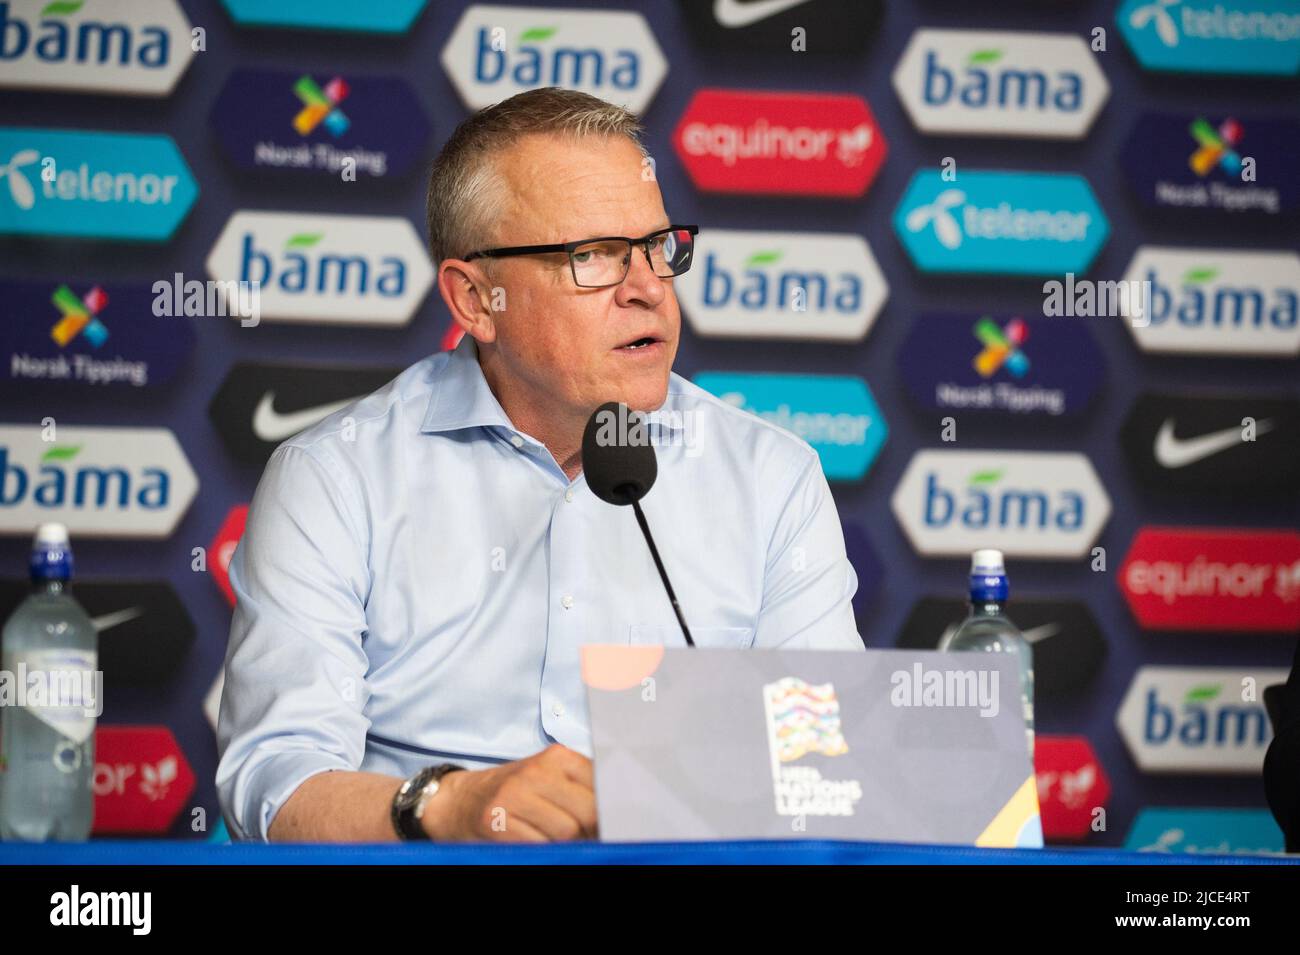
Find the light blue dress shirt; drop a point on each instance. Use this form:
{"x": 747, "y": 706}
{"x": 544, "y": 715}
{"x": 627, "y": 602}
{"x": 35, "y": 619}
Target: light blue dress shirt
{"x": 417, "y": 576}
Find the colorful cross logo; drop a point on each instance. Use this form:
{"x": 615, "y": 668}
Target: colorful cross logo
{"x": 1215, "y": 147}
{"x": 1001, "y": 347}
{"x": 79, "y": 316}
{"x": 321, "y": 106}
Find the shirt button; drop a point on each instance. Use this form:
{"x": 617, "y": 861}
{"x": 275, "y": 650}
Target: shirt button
{"x": 568, "y": 496}
{"x": 557, "y": 708}
{"x": 517, "y": 441}
{"x": 566, "y": 601}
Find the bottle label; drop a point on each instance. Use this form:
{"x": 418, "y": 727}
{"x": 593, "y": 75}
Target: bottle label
{"x": 60, "y": 687}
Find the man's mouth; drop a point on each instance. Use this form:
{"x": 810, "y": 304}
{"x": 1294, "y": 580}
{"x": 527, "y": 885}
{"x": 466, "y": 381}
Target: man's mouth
{"x": 639, "y": 343}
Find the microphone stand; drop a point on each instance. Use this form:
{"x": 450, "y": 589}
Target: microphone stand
{"x": 663, "y": 574}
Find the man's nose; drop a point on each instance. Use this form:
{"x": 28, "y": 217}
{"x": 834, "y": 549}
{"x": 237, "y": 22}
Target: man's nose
{"x": 642, "y": 286}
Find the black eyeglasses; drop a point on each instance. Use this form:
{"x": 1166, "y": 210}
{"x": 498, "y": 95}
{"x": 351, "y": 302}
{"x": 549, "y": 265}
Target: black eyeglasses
{"x": 602, "y": 262}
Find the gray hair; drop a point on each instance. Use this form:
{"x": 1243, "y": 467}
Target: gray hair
{"x": 466, "y": 193}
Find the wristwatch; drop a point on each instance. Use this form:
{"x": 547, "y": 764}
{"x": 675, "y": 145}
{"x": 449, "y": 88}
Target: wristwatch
{"x": 409, "y": 803}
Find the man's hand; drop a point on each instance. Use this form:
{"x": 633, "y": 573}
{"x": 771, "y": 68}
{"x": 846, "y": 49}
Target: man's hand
{"x": 548, "y": 797}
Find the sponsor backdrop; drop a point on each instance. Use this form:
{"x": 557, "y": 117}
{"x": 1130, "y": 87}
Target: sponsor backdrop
{"x": 879, "y": 209}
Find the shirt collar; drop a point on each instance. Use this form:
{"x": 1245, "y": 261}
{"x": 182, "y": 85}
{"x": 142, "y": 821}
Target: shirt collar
{"x": 462, "y": 399}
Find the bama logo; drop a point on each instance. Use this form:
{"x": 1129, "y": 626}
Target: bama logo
{"x": 1001, "y": 365}
{"x": 390, "y": 16}
{"x": 986, "y": 83}
{"x": 1201, "y": 578}
{"x": 1197, "y": 719}
{"x": 1011, "y": 223}
{"x": 332, "y": 269}
{"x": 1214, "y": 164}
{"x": 798, "y": 144}
{"x": 809, "y": 285}
{"x": 1213, "y": 36}
{"x": 100, "y": 482}
{"x": 92, "y": 185}
{"x": 1218, "y": 301}
{"x": 836, "y": 414}
{"x": 94, "y": 46}
{"x": 312, "y": 124}
{"x": 1024, "y": 503}
{"x": 495, "y": 52}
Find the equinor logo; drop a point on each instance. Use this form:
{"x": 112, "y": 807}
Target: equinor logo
{"x": 92, "y": 185}
{"x": 783, "y": 285}
{"x": 1000, "y": 83}
{"x": 100, "y": 46}
{"x": 336, "y": 269}
{"x": 1213, "y": 36}
{"x": 1004, "y": 222}
{"x": 495, "y": 52}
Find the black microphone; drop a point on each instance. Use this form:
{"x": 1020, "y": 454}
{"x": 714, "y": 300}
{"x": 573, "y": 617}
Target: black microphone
{"x": 621, "y": 467}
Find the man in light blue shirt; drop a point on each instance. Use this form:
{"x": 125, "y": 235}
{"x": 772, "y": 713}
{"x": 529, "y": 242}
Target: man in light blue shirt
{"x": 420, "y": 569}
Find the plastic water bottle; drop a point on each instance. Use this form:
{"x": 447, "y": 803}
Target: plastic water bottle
{"x": 47, "y": 755}
{"x": 987, "y": 628}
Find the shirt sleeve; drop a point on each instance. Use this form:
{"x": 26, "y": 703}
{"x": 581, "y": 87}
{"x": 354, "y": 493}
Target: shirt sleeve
{"x": 295, "y": 669}
{"x": 808, "y": 583}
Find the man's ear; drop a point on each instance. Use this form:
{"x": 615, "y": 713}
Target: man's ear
{"x": 465, "y": 288}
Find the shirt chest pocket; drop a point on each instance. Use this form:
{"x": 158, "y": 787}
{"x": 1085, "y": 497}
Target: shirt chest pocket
{"x": 735, "y": 638}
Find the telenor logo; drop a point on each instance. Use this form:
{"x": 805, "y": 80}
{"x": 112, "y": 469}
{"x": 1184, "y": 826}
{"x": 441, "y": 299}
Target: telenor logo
{"x": 1213, "y": 36}
{"x": 806, "y": 144}
{"x": 1024, "y": 503}
{"x": 345, "y": 127}
{"x": 1213, "y": 164}
{"x": 100, "y": 482}
{"x": 808, "y": 285}
{"x": 495, "y": 52}
{"x": 1201, "y": 831}
{"x": 95, "y": 46}
{"x": 1000, "y": 222}
{"x": 333, "y": 269}
{"x": 92, "y": 185}
{"x": 1218, "y": 301}
{"x": 986, "y": 83}
{"x": 1193, "y": 578}
{"x": 998, "y": 365}
{"x": 1197, "y": 719}
{"x": 390, "y": 16}
{"x": 835, "y": 414}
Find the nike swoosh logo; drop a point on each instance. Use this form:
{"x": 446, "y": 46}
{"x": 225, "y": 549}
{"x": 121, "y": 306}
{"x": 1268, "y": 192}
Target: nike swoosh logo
{"x": 110, "y": 620}
{"x": 1034, "y": 634}
{"x": 270, "y": 425}
{"x": 732, "y": 14}
{"x": 1174, "y": 452}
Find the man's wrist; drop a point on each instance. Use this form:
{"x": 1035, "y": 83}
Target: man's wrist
{"x": 414, "y": 796}
{"x": 435, "y": 816}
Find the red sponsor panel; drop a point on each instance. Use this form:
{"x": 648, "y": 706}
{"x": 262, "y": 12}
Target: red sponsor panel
{"x": 1071, "y": 785}
{"x": 1201, "y": 578}
{"x": 794, "y": 144}
{"x": 142, "y": 780}
{"x": 223, "y": 546}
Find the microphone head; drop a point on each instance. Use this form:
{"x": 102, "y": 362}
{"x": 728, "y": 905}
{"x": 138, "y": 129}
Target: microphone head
{"x": 617, "y": 457}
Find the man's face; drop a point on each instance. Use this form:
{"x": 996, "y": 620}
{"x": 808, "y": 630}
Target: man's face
{"x": 564, "y": 344}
